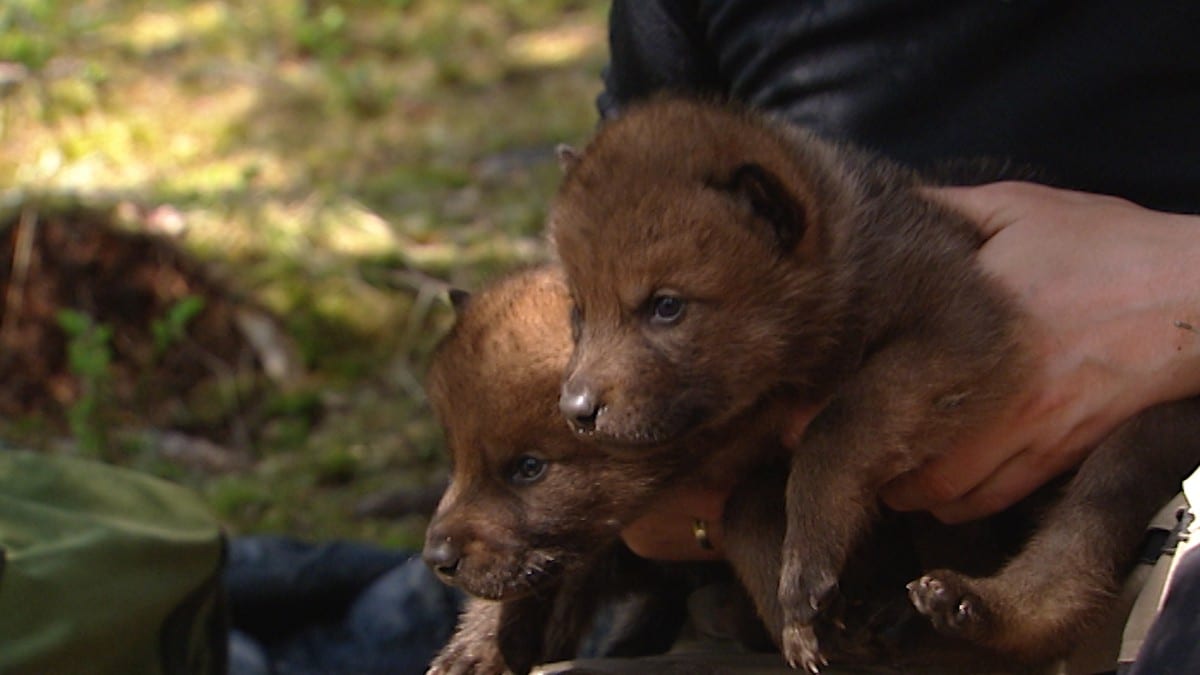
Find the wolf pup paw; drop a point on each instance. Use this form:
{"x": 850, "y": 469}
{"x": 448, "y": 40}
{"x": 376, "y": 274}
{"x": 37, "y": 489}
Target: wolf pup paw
{"x": 468, "y": 658}
{"x": 800, "y": 649}
{"x": 804, "y": 595}
{"x": 946, "y": 598}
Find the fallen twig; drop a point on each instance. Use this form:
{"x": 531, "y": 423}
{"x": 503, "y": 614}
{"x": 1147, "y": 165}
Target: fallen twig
{"x": 22, "y": 253}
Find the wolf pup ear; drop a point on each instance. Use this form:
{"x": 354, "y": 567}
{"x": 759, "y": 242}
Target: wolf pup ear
{"x": 567, "y": 157}
{"x": 771, "y": 199}
{"x": 459, "y": 299}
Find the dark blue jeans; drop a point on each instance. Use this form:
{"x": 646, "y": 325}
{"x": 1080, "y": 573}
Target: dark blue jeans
{"x": 333, "y": 608}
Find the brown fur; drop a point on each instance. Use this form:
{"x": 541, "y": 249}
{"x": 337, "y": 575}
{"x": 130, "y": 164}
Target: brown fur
{"x": 812, "y": 272}
{"x": 492, "y": 384}
{"x": 539, "y": 556}
{"x": 546, "y": 553}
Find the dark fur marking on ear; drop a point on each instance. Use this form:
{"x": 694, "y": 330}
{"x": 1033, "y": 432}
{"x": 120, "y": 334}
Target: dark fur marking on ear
{"x": 567, "y": 157}
{"x": 772, "y": 201}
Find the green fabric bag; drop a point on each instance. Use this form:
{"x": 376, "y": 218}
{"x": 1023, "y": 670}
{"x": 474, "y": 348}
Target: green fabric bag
{"x": 104, "y": 570}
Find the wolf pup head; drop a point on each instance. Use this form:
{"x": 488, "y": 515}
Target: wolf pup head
{"x": 527, "y": 500}
{"x": 695, "y": 241}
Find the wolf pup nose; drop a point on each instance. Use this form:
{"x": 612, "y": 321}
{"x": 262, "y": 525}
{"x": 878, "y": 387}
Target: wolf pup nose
{"x": 443, "y": 556}
{"x": 580, "y": 405}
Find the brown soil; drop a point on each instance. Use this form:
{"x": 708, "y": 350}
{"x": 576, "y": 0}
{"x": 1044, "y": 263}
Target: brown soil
{"x": 75, "y": 258}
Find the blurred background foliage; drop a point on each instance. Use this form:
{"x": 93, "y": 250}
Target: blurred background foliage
{"x": 333, "y": 164}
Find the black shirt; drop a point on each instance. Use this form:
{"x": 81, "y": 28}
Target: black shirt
{"x": 1101, "y": 95}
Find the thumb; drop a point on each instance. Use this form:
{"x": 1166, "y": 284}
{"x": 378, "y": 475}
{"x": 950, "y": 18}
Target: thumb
{"x": 990, "y": 207}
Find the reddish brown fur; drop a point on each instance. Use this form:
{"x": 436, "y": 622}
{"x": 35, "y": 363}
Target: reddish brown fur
{"x": 540, "y": 556}
{"x": 823, "y": 274}
{"x": 493, "y": 383}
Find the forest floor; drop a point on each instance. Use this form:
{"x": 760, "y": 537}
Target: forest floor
{"x": 226, "y": 230}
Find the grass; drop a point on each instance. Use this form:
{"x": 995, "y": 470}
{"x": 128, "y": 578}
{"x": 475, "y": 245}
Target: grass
{"x": 339, "y": 162}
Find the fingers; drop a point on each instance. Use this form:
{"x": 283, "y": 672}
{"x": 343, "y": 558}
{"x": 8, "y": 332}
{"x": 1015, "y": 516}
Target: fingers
{"x": 668, "y": 530}
{"x": 1013, "y": 481}
{"x": 923, "y": 488}
{"x": 953, "y": 497}
{"x": 995, "y": 206}
{"x": 1010, "y": 483}
{"x": 986, "y": 206}
{"x": 658, "y": 537}
{"x": 950, "y": 476}
{"x": 956, "y": 490}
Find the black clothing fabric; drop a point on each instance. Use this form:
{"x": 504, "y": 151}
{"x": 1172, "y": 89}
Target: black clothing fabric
{"x": 1099, "y": 95}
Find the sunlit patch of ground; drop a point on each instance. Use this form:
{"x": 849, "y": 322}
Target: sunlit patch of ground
{"x": 338, "y": 163}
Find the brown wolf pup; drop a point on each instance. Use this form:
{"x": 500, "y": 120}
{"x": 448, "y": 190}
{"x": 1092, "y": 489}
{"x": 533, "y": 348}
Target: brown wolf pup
{"x": 720, "y": 262}
{"x": 530, "y": 523}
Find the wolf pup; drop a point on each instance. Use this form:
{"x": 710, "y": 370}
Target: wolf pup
{"x": 720, "y": 261}
{"x": 530, "y": 522}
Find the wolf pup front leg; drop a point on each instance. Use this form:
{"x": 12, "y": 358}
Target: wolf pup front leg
{"x": 477, "y": 645}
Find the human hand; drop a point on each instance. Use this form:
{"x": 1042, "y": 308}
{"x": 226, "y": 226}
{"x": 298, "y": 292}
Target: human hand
{"x": 1112, "y": 292}
{"x": 666, "y": 531}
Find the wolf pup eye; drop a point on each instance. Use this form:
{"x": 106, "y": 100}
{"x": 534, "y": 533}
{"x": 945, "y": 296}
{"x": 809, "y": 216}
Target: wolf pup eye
{"x": 528, "y": 470}
{"x": 666, "y": 309}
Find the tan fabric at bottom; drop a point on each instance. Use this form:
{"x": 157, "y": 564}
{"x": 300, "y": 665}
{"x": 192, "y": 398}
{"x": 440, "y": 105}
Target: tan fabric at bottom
{"x": 1150, "y": 601}
{"x": 1122, "y": 634}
